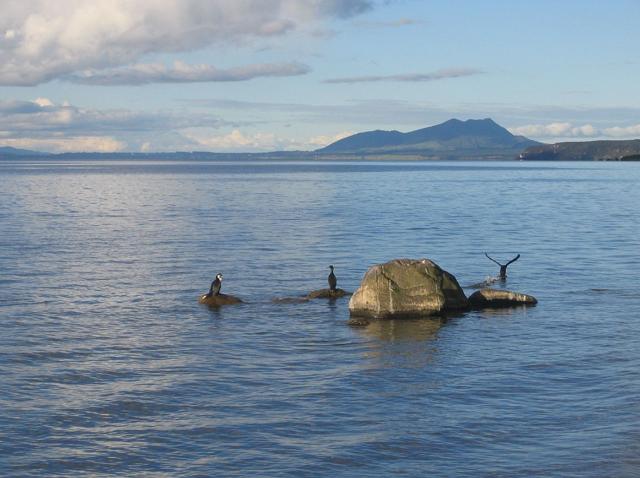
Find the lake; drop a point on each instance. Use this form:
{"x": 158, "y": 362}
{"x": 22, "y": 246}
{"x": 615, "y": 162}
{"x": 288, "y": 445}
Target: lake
{"x": 110, "y": 367}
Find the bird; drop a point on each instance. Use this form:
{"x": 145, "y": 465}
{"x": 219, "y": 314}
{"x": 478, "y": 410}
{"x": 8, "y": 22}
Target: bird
{"x": 333, "y": 282}
{"x": 214, "y": 298}
{"x": 215, "y": 286}
{"x": 503, "y": 267}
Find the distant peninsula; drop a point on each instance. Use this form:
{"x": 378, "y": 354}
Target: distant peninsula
{"x": 614, "y": 150}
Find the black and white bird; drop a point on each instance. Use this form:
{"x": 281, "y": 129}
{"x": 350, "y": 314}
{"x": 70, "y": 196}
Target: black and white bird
{"x": 333, "y": 282}
{"x": 215, "y": 286}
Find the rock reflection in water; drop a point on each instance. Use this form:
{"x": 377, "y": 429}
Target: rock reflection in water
{"x": 502, "y": 312}
{"x": 402, "y": 342}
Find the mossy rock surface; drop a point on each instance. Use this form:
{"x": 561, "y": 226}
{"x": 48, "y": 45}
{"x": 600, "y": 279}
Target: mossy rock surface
{"x": 495, "y": 298}
{"x": 406, "y": 288}
{"x": 327, "y": 294}
{"x": 218, "y": 300}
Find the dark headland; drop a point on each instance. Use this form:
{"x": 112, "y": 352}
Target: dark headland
{"x": 619, "y": 150}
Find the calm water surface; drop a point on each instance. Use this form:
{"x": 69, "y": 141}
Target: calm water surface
{"x": 110, "y": 367}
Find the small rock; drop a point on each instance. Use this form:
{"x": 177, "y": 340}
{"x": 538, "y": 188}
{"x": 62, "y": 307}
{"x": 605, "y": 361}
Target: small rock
{"x": 494, "y": 298}
{"x": 218, "y": 300}
{"x": 327, "y": 294}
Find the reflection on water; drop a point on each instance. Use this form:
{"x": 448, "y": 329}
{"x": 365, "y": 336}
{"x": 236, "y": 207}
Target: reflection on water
{"x": 402, "y": 342}
{"x": 520, "y": 310}
{"x": 404, "y": 329}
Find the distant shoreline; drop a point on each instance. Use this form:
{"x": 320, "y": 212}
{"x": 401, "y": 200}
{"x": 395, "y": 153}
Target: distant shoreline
{"x": 261, "y": 157}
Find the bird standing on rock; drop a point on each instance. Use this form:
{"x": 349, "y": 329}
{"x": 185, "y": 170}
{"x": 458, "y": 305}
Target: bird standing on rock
{"x": 333, "y": 282}
{"x": 215, "y": 286}
{"x": 214, "y": 298}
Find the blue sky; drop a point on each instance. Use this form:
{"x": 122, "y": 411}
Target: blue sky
{"x": 260, "y": 75}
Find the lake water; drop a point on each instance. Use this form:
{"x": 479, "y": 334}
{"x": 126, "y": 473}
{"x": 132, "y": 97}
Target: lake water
{"x": 110, "y": 367}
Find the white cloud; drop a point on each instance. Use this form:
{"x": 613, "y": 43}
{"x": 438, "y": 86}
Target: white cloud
{"x": 413, "y": 77}
{"x": 184, "y": 73}
{"x": 325, "y": 140}
{"x": 586, "y": 131}
{"x": 68, "y": 144}
{"x": 566, "y": 130}
{"x": 556, "y": 130}
{"x": 44, "y": 39}
{"x": 43, "y": 102}
{"x": 542, "y": 130}
{"x": 237, "y": 141}
{"x": 233, "y": 141}
{"x": 623, "y": 131}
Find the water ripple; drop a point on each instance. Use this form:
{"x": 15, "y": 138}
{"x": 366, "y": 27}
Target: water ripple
{"x": 110, "y": 367}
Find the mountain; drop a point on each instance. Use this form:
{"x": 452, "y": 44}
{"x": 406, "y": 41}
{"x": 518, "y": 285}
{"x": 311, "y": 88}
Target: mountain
{"x": 453, "y": 139}
{"x": 9, "y": 151}
{"x": 612, "y": 150}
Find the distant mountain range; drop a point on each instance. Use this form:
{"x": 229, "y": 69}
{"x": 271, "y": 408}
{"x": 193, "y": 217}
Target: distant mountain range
{"x": 453, "y": 139}
{"x": 472, "y": 139}
{"x": 618, "y": 150}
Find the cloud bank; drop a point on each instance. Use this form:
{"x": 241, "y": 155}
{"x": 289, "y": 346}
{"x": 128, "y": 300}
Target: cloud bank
{"x": 410, "y": 77}
{"x": 183, "y": 73}
{"x": 42, "y": 125}
{"x": 568, "y": 130}
{"x": 556, "y": 130}
{"x": 41, "y": 40}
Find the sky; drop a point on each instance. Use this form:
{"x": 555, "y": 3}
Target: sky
{"x": 265, "y": 75}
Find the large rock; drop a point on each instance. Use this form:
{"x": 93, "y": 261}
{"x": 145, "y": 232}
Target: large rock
{"x": 494, "y": 298}
{"x": 406, "y": 288}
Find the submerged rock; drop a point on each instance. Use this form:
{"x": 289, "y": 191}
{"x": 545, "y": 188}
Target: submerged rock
{"x": 493, "y": 298}
{"x": 406, "y": 288}
{"x": 289, "y": 300}
{"x": 218, "y": 300}
{"x": 327, "y": 294}
{"x": 358, "y": 322}
{"x": 484, "y": 284}
{"x": 316, "y": 294}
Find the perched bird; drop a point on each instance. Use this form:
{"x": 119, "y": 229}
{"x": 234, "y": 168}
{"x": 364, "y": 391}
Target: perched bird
{"x": 214, "y": 298}
{"x": 215, "y": 286}
{"x": 333, "y": 282}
